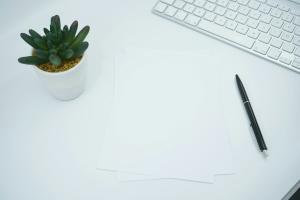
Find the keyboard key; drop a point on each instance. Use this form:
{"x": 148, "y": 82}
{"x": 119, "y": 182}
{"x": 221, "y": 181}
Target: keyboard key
{"x": 297, "y": 52}
{"x": 233, "y": 6}
{"x": 277, "y": 22}
{"x": 274, "y": 53}
{"x": 179, "y": 4}
{"x": 297, "y": 21}
{"x": 241, "y": 19}
{"x": 272, "y": 3}
{"x": 170, "y": 2}
{"x": 254, "y": 14}
{"x": 230, "y": 14}
{"x": 231, "y": 24}
{"x": 189, "y": 8}
{"x": 288, "y": 27}
{"x": 261, "y": 48}
{"x": 222, "y": 3}
{"x": 243, "y": 2}
{"x": 180, "y": 15}
{"x": 242, "y": 29}
{"x": 276, "y": 43}
{"x": 297, "y": 31}
{"x": 160, "y": 7}
{"x": 220, "y": 20}
{"x": 227, "y": 34}
{"x": 283, "y": 7}
{"x": 209, "y": 6}
{"x": 254, "y": 4}
{"x": 265, "y": 18}
{"x": 288, "y": 47}
{"x": 264, "y": 38}
{"x": 287, "y": 17}
{"x": 263, "y": 27}
{"x": 252, "y": 23}
{"x": 275, "y": 32}
{"x": 209, "y": 16}
{"x": 287, "y": 36}
{"x": 199, "y": 12}
{"x": 171, "y": 11}
{"x": 253, "y": 33}
{"x": 192, "y": 20}
{"x": 296, "y": 63}
{"x": 296, "y": 41}
{"x": 199, "y": 3}
{"x": 276, "y": 12}
{"x": 295, "y": 11}
{"x": 265, "y": 9}
{"x": 244, "y": 10}
{"x": 285, "y": 58}
{"x": 220, "y": 10}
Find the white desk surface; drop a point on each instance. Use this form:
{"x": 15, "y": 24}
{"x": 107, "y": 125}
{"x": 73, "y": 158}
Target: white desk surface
{"x": 48, "y": 149}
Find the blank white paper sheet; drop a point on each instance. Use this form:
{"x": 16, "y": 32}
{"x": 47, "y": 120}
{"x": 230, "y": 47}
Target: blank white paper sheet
{"x": 166, "y": 120}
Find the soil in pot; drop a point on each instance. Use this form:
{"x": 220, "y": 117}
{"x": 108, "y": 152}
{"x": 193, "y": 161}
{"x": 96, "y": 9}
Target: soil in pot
{"x": 66, "y": 65}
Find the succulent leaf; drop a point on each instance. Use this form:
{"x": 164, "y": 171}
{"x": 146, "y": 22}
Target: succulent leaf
{"x": 50, "y": 44}
{"x": 62, "y": 47}
{"x": 65, "y": 33}
{"x": 66, "y": 28}
{"x": 73, "y": 29}
{"x": 59, "y": 37}
{"x": 51, "y": 36}
{"x": 55, "y": 60}
{"x": 55, "y": 22}
{"x": 32, "y": 60}
{"x": 29, "y": 40}
{"x": 34, "y": 34}
{"x": 40, "y": 43}
{"x": 52, "y": 51}
{"x": 45, "y": 40}
{"x": 71, "y": 33}
{"x": 67, "y": 54}
{"x": 80, "y": 37}
{"x": 52, "y": 28}
{"x": 46, "y": 31}
{"x": 81, "y": 49}
{"x": 41, "y": 53}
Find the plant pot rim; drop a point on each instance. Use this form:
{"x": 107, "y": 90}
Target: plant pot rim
{"x": 62, "y": 72}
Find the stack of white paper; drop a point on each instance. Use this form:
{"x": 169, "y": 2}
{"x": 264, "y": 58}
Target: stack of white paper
{"x": 166, "y": 121}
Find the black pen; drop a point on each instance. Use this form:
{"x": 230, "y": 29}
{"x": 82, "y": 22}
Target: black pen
{"x": 260, "y": 140}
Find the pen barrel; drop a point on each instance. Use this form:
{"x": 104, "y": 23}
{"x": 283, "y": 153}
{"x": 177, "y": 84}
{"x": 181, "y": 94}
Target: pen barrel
{"x": 260, "y": 140}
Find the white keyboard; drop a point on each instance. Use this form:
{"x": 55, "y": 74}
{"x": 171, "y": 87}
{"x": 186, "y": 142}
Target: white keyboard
{"x": 262, "y": 27}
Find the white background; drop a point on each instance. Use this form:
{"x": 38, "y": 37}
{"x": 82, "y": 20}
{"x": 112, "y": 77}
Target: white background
{"x": 49, "y": 149}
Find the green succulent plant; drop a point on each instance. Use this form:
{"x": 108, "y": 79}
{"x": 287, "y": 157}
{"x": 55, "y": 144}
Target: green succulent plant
{"x": 57, "y": 45}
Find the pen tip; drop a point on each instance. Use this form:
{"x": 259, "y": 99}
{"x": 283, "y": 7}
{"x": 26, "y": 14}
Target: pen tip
{"x": 265, "y": 152}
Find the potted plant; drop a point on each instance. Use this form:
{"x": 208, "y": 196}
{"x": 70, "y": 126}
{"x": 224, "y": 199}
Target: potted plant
{"x": 58, "y": 58}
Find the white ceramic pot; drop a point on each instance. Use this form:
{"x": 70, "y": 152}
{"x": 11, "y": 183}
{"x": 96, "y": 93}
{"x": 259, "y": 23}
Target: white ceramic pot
{"x": 65, "y": 85}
